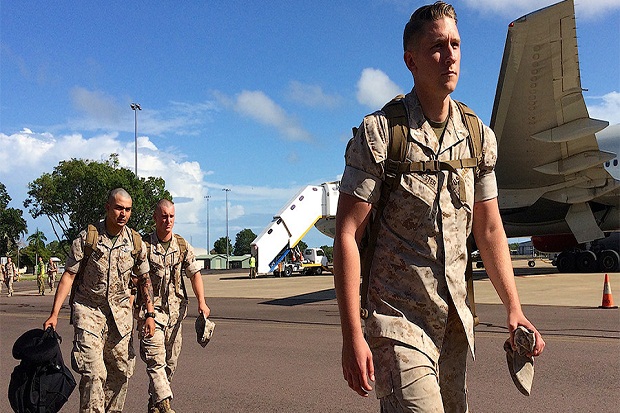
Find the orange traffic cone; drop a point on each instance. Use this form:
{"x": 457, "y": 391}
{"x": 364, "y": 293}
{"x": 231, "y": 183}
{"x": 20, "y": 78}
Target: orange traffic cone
{"x": 608, "y": 300}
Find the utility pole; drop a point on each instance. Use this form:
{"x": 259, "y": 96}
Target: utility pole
{"x": 227, "y": 239}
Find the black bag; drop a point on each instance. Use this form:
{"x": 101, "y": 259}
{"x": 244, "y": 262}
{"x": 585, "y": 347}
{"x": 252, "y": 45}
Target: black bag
{"x": 41, "y": 383}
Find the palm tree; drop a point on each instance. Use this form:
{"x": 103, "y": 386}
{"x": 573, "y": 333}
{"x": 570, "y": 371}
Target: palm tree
{"x": 37, "y": 241}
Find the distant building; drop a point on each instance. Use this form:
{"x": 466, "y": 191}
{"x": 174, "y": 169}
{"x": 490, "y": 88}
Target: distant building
{"x": 526, "y": 248}
{"x": 218, "y": 261}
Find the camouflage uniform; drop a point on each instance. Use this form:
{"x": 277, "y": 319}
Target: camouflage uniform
{"x": 417, "y": 276}
{"x": 52, "y": 269}
{"x": 161, "y": 352}
{"x": 10, "y": 272}
{"x": 102, "y": 318}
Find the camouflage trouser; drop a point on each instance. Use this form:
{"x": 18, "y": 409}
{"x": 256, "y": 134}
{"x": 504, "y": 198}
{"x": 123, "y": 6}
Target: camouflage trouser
{"x": 9, "y": 285}
{"x": 407, "y": 380}
{"x": 41, "y": 284}
{"x": 161, "y": 354}
{"x": 51, "y": 279}
{"x": 103, "y": 385}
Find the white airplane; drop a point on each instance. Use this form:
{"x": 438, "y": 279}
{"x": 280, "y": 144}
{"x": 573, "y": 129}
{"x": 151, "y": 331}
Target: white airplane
{"x": 554, "y": 180}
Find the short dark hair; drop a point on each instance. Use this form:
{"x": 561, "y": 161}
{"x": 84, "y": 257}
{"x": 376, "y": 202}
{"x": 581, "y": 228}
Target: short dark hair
{"x": 425, "y": 14}
{"x": 118, "y": 191}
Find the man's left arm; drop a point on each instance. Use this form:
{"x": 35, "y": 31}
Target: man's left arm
{"x": 199, "y": 292}
{"x": 492, "y": 243}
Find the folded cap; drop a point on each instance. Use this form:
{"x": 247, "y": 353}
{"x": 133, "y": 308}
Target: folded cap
{"x": 204, "y": 329}
{"x": 520, "y": 365}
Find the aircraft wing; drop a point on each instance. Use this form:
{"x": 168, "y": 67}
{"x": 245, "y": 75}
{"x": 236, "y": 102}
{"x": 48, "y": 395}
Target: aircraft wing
{"x": 550, "y": 169}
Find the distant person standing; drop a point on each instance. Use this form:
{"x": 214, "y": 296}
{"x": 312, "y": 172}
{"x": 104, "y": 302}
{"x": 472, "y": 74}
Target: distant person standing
{"x": 252, "y": 266}
{"x": 3, "y": 275}
{"x": 52, "y": 270}
{"x": 170, "y": 258}
{"x": 39, "y": 271}
{"x": 10, "y": 272}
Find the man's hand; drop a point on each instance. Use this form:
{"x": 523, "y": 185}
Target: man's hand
{"x": 51, "y": 322}
{"x": 357, "y": 367}
{"x": 516, "y": 320}
{"x": 149, "y": 327}
{"x": 203, "y": 308}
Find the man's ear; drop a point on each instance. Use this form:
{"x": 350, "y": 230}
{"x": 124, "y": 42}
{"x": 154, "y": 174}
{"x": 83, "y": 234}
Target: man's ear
{"x": 409, "y": 60}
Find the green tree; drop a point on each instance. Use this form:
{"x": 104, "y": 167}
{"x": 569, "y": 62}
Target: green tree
{"x": 75, "y": 193}
{"x": 243, "y": 241}
{"x": 58, "y": 249}
{"x": 12, "y": 225}
{"x": 302, "y": 246}
{"x": 36, "y": 242}
{"x": 219, "y": 246}
{"x": 329, "y": 252}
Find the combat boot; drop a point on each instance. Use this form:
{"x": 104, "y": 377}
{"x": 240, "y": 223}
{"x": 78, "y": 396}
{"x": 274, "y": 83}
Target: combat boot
{"x": 163, "y": 406}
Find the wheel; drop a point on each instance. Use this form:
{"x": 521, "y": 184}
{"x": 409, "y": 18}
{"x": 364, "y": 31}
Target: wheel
{"x": 531, "y": 263}
{"x": 479, "y": 264}
{"x": 288, "y": 271}
{"x": 586, "y": 261}
{"x": 318, "y": 271}
{"x": 277, "y": 273}
{"x": 608, "y": 261}
{"x": 566, "y": 262}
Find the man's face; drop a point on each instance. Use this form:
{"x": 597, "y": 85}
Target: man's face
{"x": 435, "y": 61}
{"x": 164, "y": 220}
{"x": 118, "y": 211}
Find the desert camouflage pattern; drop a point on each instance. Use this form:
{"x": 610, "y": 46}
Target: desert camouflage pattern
{"x": 104, "y": 379}
{"x": 106, "y": 277}
{"x": 102, "y": 319}
{"x": 418, "y": 269}
{"x": 161, "y": 352}
{"x": 8, "y": 275}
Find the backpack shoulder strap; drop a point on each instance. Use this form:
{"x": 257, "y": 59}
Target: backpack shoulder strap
{"x": 92, "y": 236}
{"x": 472, "y": 123}
{"x": 182, "y": 254}
{"x": 398, "y": 123}
{"x": 137, "y": 243}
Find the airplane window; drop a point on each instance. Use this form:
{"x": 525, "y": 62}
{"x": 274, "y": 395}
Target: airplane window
{"x": 615, "y": 162}
{"x": 607, "y": 163}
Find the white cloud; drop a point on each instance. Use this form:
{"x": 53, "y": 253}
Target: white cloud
{"x": 375, "y": 88}
{"x": 514, "y": 9}
{"x": 607, "y": 107}
{"x": 260, "y": 107}
{"x": 312, "y": 95}
{"x": 100, "y": 111}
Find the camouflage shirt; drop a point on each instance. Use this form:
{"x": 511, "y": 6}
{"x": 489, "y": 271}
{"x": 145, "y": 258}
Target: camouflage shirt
{"x": 104, "y": 283}
{"x": 421, "y": 255}
{"x": 166, "y": 271}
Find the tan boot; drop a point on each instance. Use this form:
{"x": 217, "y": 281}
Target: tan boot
{"x": 164, "y": 406}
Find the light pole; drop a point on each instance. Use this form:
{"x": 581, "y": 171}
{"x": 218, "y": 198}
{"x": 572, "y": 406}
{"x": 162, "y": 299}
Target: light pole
{"x": 227, "y": 239}
{"x": 136, "y": 107}
{"x": 207, "y": 197}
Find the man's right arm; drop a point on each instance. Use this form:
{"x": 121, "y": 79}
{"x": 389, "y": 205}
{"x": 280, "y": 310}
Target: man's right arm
{"x": 352, "y": 217}
{"x": 62, "y": 291}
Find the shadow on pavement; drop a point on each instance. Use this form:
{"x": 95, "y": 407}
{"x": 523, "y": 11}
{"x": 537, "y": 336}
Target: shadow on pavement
{"x": 323, "y": 295}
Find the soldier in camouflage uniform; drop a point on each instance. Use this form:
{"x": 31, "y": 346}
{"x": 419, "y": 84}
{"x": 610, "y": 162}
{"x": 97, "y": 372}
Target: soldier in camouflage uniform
{"x": 39, "y": 271}
{"x": 419, "y": 327}
{"x": 169, "y": 261}
{"x": 10, "y": 271}
{"x": 102, "y": 348}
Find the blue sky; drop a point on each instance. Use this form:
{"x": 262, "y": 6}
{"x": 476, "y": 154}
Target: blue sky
{"x": 257, "y": 97}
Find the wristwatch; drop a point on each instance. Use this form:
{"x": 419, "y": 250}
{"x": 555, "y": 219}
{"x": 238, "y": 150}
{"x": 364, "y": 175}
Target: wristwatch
{"x": 147, "y": 315}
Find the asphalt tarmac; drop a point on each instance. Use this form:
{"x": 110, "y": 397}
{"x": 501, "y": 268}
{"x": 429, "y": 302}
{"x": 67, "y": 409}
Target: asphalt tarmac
{"x": 276, "y": 347}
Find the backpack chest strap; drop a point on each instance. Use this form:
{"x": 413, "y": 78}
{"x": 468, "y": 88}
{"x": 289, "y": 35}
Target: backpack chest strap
{"x": 397, "y": 168}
